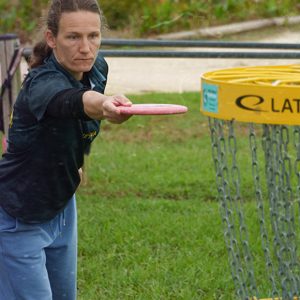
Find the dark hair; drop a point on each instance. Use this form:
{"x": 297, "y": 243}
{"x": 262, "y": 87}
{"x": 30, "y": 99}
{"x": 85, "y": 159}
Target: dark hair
{"x": 56, "y": 8}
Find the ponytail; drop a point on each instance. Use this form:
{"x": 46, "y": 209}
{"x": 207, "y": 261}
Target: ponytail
{"x": 39, "y": 53}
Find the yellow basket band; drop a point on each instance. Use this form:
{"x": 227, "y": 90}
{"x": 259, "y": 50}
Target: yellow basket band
{"x": 269, "y": 95}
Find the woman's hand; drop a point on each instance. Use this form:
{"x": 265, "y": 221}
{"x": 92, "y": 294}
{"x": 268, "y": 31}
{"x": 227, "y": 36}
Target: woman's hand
{"x": 98, "y": 106}
{"x": 111, "y": 111}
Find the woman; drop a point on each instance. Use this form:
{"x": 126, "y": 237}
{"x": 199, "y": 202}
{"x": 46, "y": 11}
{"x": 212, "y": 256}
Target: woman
{"x": 55, "y": 118}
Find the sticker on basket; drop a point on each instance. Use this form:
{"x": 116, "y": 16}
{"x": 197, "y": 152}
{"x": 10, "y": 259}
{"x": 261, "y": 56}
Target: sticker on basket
{"x": 210, "y": 97}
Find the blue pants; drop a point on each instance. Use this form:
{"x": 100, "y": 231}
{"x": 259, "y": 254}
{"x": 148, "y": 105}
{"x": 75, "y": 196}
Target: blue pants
{"x": 38, "y": 261}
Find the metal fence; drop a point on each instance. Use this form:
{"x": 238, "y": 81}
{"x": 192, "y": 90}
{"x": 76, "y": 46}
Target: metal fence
{"x": 293, "y": 53}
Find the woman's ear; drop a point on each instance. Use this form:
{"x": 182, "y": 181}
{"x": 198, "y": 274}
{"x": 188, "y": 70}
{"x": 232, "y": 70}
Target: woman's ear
{"x": 50, "y": 39}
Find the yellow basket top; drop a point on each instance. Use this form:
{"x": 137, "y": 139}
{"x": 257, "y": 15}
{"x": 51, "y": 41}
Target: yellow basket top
{"x": 287, "y": 76}
{"x": 261, "y": 94}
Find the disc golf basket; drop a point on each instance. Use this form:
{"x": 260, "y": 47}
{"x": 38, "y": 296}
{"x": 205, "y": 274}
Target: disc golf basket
{"x": 254, "y": 120}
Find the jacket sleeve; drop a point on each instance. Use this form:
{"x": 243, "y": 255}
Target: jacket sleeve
{"x": 68, "y": 104}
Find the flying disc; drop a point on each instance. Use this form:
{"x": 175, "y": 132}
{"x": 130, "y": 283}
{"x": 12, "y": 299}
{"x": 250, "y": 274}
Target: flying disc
{"x": 153, "y": 109}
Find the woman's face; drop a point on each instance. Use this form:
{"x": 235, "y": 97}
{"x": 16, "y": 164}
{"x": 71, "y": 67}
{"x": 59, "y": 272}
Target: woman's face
{"x": 77, "y": 42}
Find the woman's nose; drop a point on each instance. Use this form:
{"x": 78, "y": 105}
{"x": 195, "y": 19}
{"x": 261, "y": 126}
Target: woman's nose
{"x": 84, "y": 45}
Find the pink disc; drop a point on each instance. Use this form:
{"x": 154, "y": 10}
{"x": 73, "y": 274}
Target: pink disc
{"x": 153, "y": 109}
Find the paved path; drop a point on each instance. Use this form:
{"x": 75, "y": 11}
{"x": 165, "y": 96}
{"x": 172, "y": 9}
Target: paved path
{"x": 139, "y": 75}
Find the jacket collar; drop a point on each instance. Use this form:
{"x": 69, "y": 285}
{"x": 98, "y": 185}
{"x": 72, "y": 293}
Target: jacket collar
{"x": 97, "y": 79}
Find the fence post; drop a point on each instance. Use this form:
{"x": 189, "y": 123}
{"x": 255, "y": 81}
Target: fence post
{"x": 9, "y": 62}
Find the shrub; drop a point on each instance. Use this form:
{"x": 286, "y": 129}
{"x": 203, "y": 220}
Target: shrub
{"x": 146, "y": 17}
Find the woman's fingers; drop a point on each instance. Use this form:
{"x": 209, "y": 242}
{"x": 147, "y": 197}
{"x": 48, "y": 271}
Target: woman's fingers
{"x": 111, "y": 111}
{"x": 121, "y": 100}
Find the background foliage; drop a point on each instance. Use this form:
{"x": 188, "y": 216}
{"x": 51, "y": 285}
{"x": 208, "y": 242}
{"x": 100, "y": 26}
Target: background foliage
{"x": 147, "y": 17}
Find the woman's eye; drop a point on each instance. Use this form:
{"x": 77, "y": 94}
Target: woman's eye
{"x": 94, "y": 36}
{"x": 72, "y": 37}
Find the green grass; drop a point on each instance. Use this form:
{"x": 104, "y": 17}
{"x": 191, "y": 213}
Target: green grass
{"x": 133, "y": 248}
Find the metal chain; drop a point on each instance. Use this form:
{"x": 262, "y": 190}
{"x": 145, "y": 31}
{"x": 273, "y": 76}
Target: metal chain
{"x": 220, "y": 157}
{"x": 276, "y": 213}
{"x": 238, "y": 205}
{"x": 265, "y": 242}
{"x": 296, "y": 141}
{"x": 291, "y": 238}
{"x": 278, "y": 171}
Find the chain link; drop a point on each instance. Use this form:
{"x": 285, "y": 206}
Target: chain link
{"x": 277, "y": 205}
{"x": 261, "y": 209}
{"x": 278, "y": 168}
{"x": 229, "y": 197}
